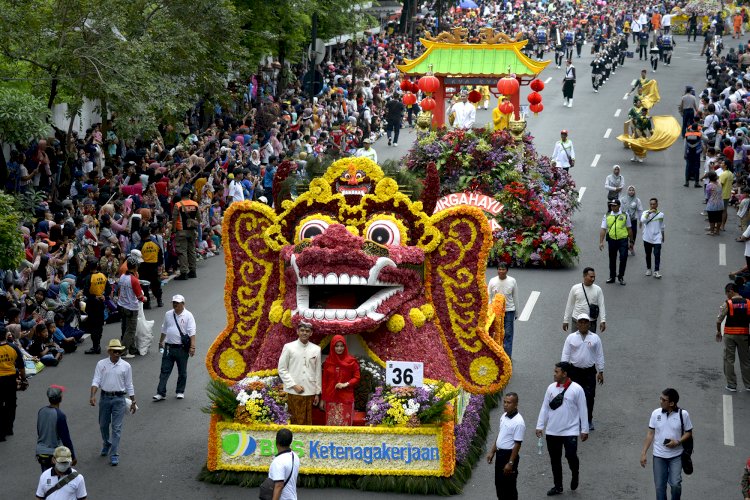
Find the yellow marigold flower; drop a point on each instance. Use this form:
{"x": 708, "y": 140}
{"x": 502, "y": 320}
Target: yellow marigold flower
{"x": 232, "y": 364}
{"x": 276, "y": 312}
{"x": 417, "y": 317}
{"x": 428, "y": 311}
{"x": 483, "y": 370}
{"x": 395, "y": 323}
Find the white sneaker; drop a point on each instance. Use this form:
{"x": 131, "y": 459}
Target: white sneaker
{"x": 395, "y": 144}
{"x": 648, "y": 272}
{"x": 657, "y": 275}
{"x": 158, "y": 397}
{"x": 640, "y": 160}
{"x": 180, "y": 395}
{"x": 129, "y": 356}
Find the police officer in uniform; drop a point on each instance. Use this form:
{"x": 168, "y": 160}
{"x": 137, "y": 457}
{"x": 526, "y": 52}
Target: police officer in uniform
{"x": 617, "y": 230}
{"x": 95, "y": 288}
{"x": 151, "y": 266}
{"x": 185, "y": 224}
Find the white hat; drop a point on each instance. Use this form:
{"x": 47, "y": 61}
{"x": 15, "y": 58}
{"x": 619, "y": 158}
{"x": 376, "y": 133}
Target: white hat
{"x": 583, "y": 316}
{"x": 178, "y": 298}
{"x": 137, "y": 254}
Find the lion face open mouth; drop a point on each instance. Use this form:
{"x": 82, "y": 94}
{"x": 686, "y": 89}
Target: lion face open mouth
{"x": 343, "y": 296}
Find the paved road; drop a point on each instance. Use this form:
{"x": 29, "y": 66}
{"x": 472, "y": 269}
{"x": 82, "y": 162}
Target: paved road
{"x": 660, "y": 334}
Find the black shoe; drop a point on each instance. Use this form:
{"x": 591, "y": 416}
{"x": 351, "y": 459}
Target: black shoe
{"x": 181, "y": 277}
{"x": 621, "y": 281}
{"x": 610, "y": 280}
{"x": 686, "y": 184}
{"x": 192, "y": 274}
{"x": 389, "y": 142}
{"x": 159, "y": 303}
{"x": 2, "y": 438}
{"x": 574, "y": 482}
{"x": 554, "y": 491}
{"x": 94, "y": 350}
{"x": 147, "y": 305}
{"x": 697, "y": 185}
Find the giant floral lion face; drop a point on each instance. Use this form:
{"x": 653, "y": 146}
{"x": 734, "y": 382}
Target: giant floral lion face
{"x": 353, "y": 255}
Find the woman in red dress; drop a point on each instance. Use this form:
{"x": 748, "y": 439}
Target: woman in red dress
{"x": 340, "y": 375}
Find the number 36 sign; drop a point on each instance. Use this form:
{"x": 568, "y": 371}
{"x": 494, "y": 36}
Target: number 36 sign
{"x": 404, "y": 373}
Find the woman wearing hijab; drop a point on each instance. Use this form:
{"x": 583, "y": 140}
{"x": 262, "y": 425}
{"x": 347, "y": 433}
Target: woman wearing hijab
{"x": 340, "y": 375}
{"x": 614, "y": 184}
{"x": 631, "y": 204}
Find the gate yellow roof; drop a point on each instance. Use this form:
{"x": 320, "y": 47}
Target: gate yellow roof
{"x": 478, "y": 59}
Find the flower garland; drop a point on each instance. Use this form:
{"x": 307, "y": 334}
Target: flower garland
{"x": 538, "y": 197}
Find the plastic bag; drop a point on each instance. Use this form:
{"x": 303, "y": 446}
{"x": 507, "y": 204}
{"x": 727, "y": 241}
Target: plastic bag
{"x": 143, "y": 333}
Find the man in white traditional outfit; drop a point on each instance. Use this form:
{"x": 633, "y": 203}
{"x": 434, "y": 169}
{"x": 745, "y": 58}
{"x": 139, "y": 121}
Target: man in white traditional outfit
{"x": 465, "y": 111}
{"x": 300, "y": 368}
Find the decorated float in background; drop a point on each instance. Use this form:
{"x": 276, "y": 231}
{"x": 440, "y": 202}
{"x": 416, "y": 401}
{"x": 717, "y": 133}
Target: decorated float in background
{"x": 353, "y": 255}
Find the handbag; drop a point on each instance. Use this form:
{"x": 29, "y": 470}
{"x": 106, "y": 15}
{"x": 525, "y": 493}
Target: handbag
{"x": 557, "y": 401}
{"x": 687, "y": 450}
{"x": 593, "y": 309}
{"x": 268, "y": 484}
{"x": 184, "y": 338}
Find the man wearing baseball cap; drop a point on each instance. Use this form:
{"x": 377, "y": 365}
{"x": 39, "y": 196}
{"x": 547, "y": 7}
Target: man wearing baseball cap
{"x": 583, "y": 350}
{"x": 564, "y": 155}
{"x": 61, "y": 481}
{"x": 176, "y": 344}
{"x": 52, "y": 429}
{"x": 616, "y": 227}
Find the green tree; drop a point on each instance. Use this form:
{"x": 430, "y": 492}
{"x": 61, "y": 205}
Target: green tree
{"x": 22, "y": 117}
{"x": 145, "y": 60}
{"x": 11, "y": 241}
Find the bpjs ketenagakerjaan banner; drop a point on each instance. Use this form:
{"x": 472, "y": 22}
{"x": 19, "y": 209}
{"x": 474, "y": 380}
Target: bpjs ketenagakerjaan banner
{"x": 420, "y": 451}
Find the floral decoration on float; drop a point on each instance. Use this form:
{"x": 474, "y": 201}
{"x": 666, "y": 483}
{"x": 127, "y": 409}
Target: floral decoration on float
{"x": 533, "y": 224}
{"x": 355, "y": 256}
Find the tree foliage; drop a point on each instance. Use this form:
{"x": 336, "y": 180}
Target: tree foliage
{"x": 22, "y": 116}
{"x": 145, "y": 60}
{"x": 11, "y": 241}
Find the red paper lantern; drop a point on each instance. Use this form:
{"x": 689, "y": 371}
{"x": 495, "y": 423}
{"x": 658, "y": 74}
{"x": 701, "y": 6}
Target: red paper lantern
{"x": 507, "y": 86}
{"x": 537, "y": 85}
{"x": 428, "y": 84}
{"x": 475, "y": 96}
{"x": 409, "y": 99}
{"x": 506, "y": 108}
{"x": 427, "y": 104}
{"x": 534, "y": 98}
{"x": 414, "y": 87}
{"x": 406, "y": 85}
{"x": 536, "y": 108}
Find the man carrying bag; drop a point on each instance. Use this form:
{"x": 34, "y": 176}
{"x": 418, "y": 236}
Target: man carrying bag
{"x": 281, "y": 483}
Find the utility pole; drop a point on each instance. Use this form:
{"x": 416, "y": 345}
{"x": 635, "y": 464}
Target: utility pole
{"x": 312, "y": 62}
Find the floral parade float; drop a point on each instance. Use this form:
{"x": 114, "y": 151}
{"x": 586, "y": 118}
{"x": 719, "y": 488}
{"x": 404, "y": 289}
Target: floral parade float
{"x": 355, "y": 256}
{"x": 531, "y": 200}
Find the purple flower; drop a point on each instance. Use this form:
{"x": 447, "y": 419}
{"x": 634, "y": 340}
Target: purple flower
{"x": 467, "y": 429}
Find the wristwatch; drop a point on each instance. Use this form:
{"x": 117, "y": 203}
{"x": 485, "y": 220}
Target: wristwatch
{"x": 510, "y": 462}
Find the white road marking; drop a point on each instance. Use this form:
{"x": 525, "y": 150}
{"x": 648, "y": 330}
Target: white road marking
{"x": 625, "y": 97}
{"x": 596, "y": 160}
{"x": 728, "y": 421}
{"x": 617, "y": 113}
{"x": 722, "y": 254}
{"x": 580, "y": 193}
{"x": 606, "y": 134}
{"x": 526, "y": 313}
{"x": 547, "y": 80}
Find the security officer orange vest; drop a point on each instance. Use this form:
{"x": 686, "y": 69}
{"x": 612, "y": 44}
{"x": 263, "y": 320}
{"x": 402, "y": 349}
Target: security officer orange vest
{"x": 738, "y": 317}
{"x": 185, "y": 215}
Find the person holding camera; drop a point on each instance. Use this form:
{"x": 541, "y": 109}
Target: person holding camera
{"x": 564, "y": 416}
{"x": 585, "y": 298}
{"x": 583, "y": 350}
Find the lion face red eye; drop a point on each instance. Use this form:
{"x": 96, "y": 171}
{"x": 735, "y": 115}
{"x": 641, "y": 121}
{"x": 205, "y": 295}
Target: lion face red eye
{"x": 384, "y": 232}
{"x": 312, "y": 228}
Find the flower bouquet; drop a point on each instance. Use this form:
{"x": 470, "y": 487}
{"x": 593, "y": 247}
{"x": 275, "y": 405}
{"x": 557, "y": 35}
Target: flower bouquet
{"x": 538, "y": 198}
{"x": 261, "y": 400}
{"x": 410, "y": 406}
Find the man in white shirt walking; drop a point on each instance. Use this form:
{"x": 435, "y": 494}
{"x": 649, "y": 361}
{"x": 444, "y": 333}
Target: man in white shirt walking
{"x": 300, "y": 369}
{"x": 114, "y": 377}
{"x": 61, "y": 480}
{"x": 507, "y": 446}
{"x": 583, "y": 350}
{"x": 502, "y": 283}
{"x": 177, "y": 322}
{"x": 564, "y": 416}
{"x": 669, "y": 429}
{"x": 564, "y": 154}
{"x": 284, "y": 468}
{"x": 653, "y": 235}
{"x": 580, "y": 299}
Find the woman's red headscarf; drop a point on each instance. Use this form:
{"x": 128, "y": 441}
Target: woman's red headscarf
{"x": 343, "y": 360}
